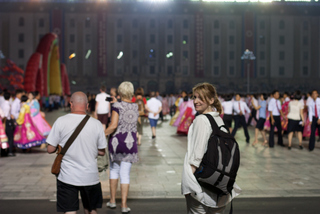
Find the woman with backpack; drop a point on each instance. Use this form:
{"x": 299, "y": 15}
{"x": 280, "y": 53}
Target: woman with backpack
{"x": 200, "y": 199}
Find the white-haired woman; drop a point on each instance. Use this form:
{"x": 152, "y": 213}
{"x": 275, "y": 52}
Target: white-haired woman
{"x": 122, "y": 146}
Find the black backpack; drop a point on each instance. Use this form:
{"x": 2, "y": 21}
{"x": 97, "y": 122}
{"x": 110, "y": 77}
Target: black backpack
{"x": 218, "y": 170}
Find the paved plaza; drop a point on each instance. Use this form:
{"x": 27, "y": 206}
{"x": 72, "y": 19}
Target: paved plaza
{"x": 264, "y": 172}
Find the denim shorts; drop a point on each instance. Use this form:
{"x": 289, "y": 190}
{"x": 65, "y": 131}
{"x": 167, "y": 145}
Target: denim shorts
{"x": 153, "y": 122}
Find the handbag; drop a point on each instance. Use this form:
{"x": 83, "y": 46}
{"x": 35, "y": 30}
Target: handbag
{"x": 55, "y": 169}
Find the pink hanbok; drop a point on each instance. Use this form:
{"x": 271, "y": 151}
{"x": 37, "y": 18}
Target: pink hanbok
{"x": 26, "y": 135}
{"x": 182, "y": 109}
{"x": 187, "y": 119}
{"x": 41, "y": 124}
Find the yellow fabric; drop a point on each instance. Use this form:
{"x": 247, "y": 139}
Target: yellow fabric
{"x": 25, "y": 109}
{"x": 177, "y": 102}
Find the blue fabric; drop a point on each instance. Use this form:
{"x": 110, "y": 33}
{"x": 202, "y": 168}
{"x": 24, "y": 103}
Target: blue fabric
{"x": 153, "y": 122}
{"x": 262, "y": 110}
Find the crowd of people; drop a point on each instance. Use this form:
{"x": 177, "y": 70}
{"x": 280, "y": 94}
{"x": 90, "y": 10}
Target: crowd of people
{"x": 23, "y": 124}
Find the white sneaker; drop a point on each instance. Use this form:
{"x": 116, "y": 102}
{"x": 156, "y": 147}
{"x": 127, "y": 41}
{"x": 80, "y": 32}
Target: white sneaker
{"x": 111, "y": 205}
{"x": 125, "y": 210}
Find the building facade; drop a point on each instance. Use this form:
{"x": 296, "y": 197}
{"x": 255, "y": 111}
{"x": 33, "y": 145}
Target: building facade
{"x": 171, "y": 46}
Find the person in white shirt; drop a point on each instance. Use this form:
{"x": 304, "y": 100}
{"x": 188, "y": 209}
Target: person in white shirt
{"x": 79, "y": 171}
{"x": 102, "y": 107}
{"x": 274, "y": 108}
{"x": 314, "y": 117}
{"x": 295, "y": 119}
{"x": 154, "y": 107}
{"x": 9, "y": 124}
{"x": 239, "y": 109}
{"x": 160, "y": 98}
{"x": 1, "y": 97}
{"x": 200, "y": 199}
{"x": 15, "y": 106}
{"x": 227, "y": 106}
{"x": 253, "y": 105}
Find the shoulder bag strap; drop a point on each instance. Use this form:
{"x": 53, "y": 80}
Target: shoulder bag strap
{"x": 216, "y": 130}
{"x": 74, "y": 134}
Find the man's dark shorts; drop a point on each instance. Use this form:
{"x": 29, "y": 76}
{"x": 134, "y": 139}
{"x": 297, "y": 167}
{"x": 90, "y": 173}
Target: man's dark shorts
{"x": 68, "y": 197}
{"x": 103, "y": 118}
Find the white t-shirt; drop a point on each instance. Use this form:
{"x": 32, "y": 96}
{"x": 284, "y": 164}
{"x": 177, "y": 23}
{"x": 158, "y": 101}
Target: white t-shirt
{"x": 103, "y": 105}
{"x": 154, "y": 105}
{"x": 227, "y": 107}
{"x": 79, "y": 164}
{"x": 294, "y": 110}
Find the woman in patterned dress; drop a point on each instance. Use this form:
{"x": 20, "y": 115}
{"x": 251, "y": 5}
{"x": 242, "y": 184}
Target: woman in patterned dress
{"x": 122, "y": 146}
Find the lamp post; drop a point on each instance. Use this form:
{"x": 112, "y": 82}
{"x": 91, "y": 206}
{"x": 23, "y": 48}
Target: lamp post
{"x": 247, "y": 56}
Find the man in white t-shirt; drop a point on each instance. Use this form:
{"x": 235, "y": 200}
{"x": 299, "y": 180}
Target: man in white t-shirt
{"x": 78, "y": 170}
{"x": 154, "y": 107}
{"x": 102, "y": 107}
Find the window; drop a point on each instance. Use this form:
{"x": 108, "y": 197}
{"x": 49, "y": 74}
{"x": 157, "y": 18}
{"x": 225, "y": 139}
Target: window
{"x": 185, "y": 40}
{"x": 262, "y": 25}
{"x": 169, "y": 39}
{"x": 305, "y": 55}
{"x": 231, "y": 25}
{"x": 152, "y": 23}
{"x": 88, "y": 38}
{"x": 216, "y": 55}
{"x": 281, "y": 55}
{"x": 281, "y": 25}
{"x": 215, "y": 70}
{"x": 262, "y": 40}
{"x": 185, "y": 55}
{"x": 231, "y": 40}
{"x": 281, "y": 40}
{"x": 135, "y": 70}
{"x": 119, "y": 23}
{"x": 170, "y": 24}
{"x": 21, "y": 37}
{"x": 119, "y": 38}
{"x": 72, "y": 23}
{"x": 21, "y": 53}
{"x": 41, "y": 22}
{"x": 262, "y": 55}
{"x": 152, "y": 69}
{"x": 135, "y": 38}
{"x": 305, "y": 40}
{"x": 185, "y": 24}
{"x": 170, "y": 70}
{"x": 152, "y": 38}
{"x": 135, "y": 23}
{"x": 216, "y": 24}
{"x": 71, "y": 38}
{"x": 262, "y": 71}
{"x": 231, "y": 55}
{"x": 134, "y": 54}
{"x": 305, "y": 25}
{"x": 231, "y": 70}
{"x": 87, "y": 23}
{"x": 305, "y": 71}
{"x": 185, "y": 70}
{"x": 21, "y": 21}
{"x": 281, "y": 71}
{"x": 216, "y": 40}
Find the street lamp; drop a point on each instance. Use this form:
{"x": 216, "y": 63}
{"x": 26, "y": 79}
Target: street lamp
{"x": 247, "y": 56}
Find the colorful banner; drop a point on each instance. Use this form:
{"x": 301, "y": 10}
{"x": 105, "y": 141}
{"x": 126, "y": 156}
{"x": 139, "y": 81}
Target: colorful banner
{"x": 102, "y": 46}
{"x": 199, "y": 38}
{"x": 249, "y": 39}
{"x": 57, "y": 28}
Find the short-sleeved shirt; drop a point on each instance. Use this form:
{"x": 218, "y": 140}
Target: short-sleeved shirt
{"x": 294, "y": 110}
{"x": 103, "y": 105}
{"x": 154, "y": 105}
{"x": 274, "y": 106}
{"x": 227, "y": 107}
{"x": 123, "y": 142}
{"x": 79, "y": 164}
{"x": 262, "y": 110}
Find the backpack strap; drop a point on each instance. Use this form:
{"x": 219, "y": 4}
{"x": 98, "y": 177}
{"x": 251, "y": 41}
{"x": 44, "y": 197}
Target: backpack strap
{"x": 216, "y": 130}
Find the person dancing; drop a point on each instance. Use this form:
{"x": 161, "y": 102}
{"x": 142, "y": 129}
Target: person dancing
{"x": 262, "y": 119}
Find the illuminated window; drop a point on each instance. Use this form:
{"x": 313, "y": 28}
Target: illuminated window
{"x": 281, "y": 55}
{"x": 216, "y": 24}
{"x": 21, "y": 21}
{"x": 281, "y": 25}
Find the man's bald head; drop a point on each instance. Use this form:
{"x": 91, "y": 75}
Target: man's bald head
{"x": 79, "y": 101}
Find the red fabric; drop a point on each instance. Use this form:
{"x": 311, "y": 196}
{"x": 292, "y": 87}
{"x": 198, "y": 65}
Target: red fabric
{"x": 144, "y": 100}
{"x": 185, "y": 122}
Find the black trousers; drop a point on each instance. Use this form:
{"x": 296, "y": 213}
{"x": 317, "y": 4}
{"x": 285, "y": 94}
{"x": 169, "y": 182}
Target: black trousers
{"x": 9, "y": 132}
{"x": 314, "y": 126}
{"x": 253, "y": 115}
{"x": 240, "y": 120}
{"x": 277, "y": 123}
